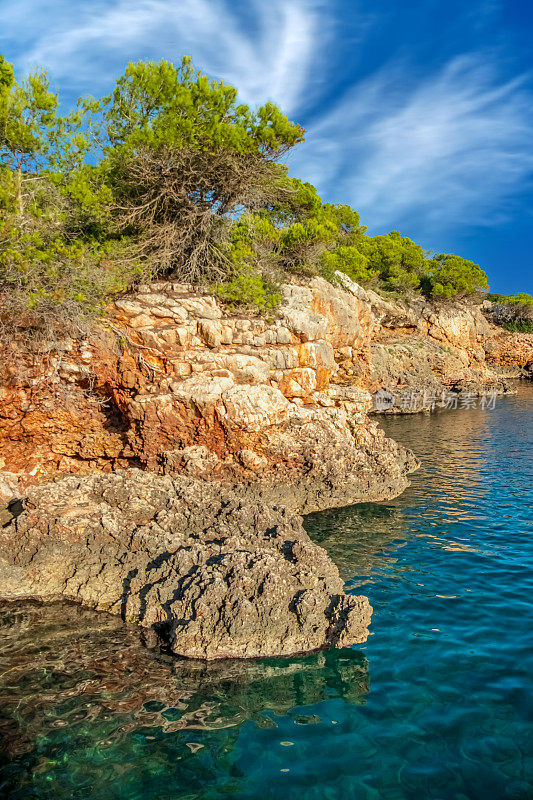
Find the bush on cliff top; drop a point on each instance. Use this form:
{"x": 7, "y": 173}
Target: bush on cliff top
{"x": 514, "y": 311}
{"x": 520, "y": 298}
{"x": 170, "y": 175}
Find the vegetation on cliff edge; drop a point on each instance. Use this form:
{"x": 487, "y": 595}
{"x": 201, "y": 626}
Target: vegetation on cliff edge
{"x": 514, "y": 311}
{"x": 171, "y": 176}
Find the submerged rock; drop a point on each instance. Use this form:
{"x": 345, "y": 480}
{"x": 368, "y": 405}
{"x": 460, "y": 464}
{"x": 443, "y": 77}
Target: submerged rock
{"x": 68, "y": 666}
{"x": 216, "y": 573}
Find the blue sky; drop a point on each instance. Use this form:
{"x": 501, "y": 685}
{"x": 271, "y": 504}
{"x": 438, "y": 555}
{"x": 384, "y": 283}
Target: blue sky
{"x": 418, "y": 114}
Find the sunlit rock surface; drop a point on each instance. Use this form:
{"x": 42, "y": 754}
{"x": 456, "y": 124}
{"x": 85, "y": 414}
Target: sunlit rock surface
{"x": 174, "y": 384}
{"x": 170, "y": 369}
{"x": 216, "y": 574}
{"x": 194, "y": 436}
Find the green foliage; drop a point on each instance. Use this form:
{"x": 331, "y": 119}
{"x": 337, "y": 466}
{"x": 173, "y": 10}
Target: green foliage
{"x": 398, "y": 260}
{"x": 28, "y": 115}
{"x": 520, "y": 326}
{"x": 51, "y": 272}
{"x": 523, "y": 298}
{"x": 171, "y": 175}
{"x": 253, "y": 278}
{"x": 348, "y": 259}
{"x": 156, "y": 105}
{"x": 514, "y": 311}
{"x": 181, "y": 158}
{"x": 309, "y": 231}
{"x": 248, "y": 289}
{"x": 451, "y": 275}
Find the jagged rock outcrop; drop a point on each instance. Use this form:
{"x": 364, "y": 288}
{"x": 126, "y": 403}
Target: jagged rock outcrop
{"x": 183, "y": 402}
{"x": 217, "y": 573}
{"x": 202, "y": 401}
{"x": 172, "y": 381}
{"x": 179, "y": 385}
{"x": 421, "y": 351}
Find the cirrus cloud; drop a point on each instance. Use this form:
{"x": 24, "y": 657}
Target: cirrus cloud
{"x": 268, "y": 52}
{"x": 452, "y": 148}
{"x": 449, "y": 147}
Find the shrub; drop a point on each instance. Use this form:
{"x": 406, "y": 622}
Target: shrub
{"x": 171, "y": 175}
{"x": 182, "y": 157}
{"x": 520, "y": 326}
{"x": 514, "y": 312}
{"x": 451, "y": 275}
{"x": 347, "y": 259}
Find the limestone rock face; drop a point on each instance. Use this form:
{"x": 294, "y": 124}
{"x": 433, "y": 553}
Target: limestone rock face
{"x": 192, "y": 437}
{"x": 177, "y": 384}
{"x": 510, "y": 354}
{"x": 214, "y": 571}
{"x": 422, "y": 351}
{"x": 202, "y": 401}
{"x": 171, "y": 369}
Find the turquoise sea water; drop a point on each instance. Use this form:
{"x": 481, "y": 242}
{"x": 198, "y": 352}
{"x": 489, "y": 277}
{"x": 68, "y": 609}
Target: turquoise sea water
{"x": 437, "y": 704}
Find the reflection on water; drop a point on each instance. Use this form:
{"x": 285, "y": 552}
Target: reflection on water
{"x": 437, "y": 704}
{"x": 79, "y": 689}
{"x": 360, "y": 538}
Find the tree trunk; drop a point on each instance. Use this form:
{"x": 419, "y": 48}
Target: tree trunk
{"x": 18, "y": 193}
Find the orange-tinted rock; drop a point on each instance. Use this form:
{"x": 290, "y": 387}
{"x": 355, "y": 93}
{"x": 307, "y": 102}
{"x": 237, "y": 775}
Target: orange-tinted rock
{"x": 174, "y": 371}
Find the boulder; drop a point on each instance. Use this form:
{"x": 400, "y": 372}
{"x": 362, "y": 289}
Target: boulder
{"x": 216, "y": 573}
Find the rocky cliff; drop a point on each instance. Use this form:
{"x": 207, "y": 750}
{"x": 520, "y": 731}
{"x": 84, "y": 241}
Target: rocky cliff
{"x": 422, "y": 353}
{"x": 173, "y": 384}
{"x": 193, "y": 438}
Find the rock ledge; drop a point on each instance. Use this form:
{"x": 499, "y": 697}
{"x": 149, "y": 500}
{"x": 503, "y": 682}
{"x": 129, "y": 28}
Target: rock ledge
{"x": 213, "y": 572}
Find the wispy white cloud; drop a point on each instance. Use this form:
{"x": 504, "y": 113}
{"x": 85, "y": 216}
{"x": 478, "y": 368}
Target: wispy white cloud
{"x": 449, "y": 149}
{"x": 270, "y": 56}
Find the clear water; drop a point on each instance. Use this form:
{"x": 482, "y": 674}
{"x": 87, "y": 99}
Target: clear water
{"x": 437, "y": 704}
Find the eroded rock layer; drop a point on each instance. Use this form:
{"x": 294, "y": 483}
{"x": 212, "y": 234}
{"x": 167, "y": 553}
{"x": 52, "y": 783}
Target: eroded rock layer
{"x": 171, "y": 381}
{"x": 174, "y": 384}
{"x": 217, "y": 576}
{"x": 420, "y": 352}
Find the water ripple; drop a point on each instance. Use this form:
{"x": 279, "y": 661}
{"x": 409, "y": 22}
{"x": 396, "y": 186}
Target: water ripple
{"x": 437, "y": 704}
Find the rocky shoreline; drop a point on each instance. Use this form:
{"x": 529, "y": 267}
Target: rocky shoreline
{"x": 213, "y": 570}
{"x": 157, "y": 469}
{"x": 215, "y": 576}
